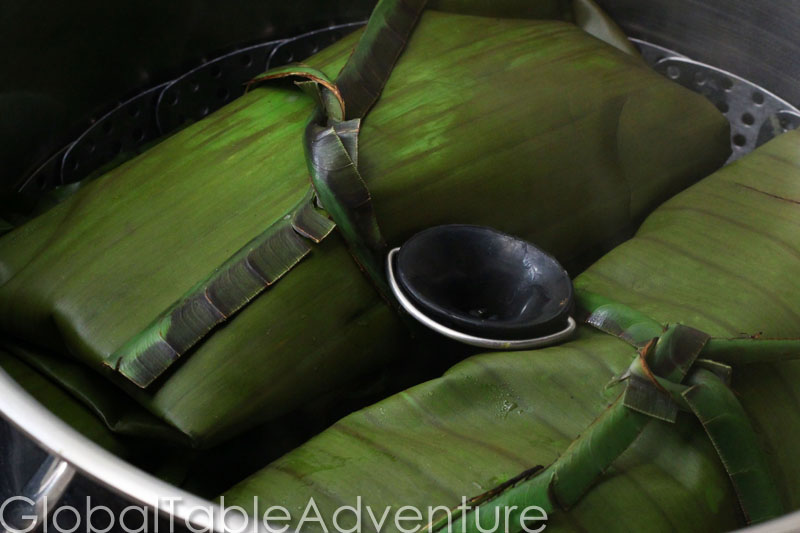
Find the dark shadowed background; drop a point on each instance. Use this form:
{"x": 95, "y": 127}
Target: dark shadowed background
{"x": 66, "y": 63}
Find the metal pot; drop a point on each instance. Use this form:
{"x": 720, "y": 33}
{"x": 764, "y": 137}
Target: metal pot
{"x": 743, "y": 40}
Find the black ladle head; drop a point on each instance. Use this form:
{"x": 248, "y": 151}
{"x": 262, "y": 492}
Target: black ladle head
{"x": 484, "y": 283}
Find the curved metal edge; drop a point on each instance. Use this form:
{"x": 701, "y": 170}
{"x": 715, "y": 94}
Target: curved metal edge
{"x": 101, "y": 121}
{"x": 57, "y": 160}
{"x": 42, "y": 491}
{"x": 275, "y": 44}
{"x": 281, "y": 43}
{"x": 480, "y": 342}
{"x": 789, "y": 523}
{"x": 87, "y": 458}
{"x": 768, "y": 93}
{"x": 169, "y": 84}
{"x": 53, "y": 162}
{"x": 653, "y": 53}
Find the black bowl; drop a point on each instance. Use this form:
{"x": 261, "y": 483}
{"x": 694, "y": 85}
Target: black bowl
{"x": 485, "y": 283}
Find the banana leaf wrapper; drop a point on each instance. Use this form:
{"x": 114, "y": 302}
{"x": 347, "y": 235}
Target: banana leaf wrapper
{"x": 721, "y": 257}
{"x": 531, "y": 126}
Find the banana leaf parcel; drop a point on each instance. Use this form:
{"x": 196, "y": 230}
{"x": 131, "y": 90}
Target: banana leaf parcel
{"x": 203, "y": 278}
{"x": 674, "y": 409}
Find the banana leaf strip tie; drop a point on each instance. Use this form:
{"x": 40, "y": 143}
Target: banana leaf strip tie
{"x": 259, "y": 264}
{"x": 331, "y": 137}
{"x": 679, "y": 368}
{"x": 331, "y": 146}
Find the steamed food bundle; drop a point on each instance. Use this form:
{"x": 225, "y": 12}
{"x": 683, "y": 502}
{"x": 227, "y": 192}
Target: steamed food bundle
{"x": 231, "y": 278}
{"x": 204, "y": 279}
{"x": 674, "y": 408}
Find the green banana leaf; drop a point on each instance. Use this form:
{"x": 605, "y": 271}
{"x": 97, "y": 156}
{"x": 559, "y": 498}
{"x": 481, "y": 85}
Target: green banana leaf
{"x": 720, "y": 258}
{"x": 191, "y": 276}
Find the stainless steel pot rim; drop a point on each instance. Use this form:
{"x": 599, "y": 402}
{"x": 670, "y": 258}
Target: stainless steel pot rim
{"x": 87, "y": 458}
{"x": 62, "y": 441}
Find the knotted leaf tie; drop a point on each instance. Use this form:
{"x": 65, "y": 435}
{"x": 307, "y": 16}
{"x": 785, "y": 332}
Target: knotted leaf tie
{"x": 331, "y": 136}
{"x": 685, "y": 369}
{"x": 678, "y": 368}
